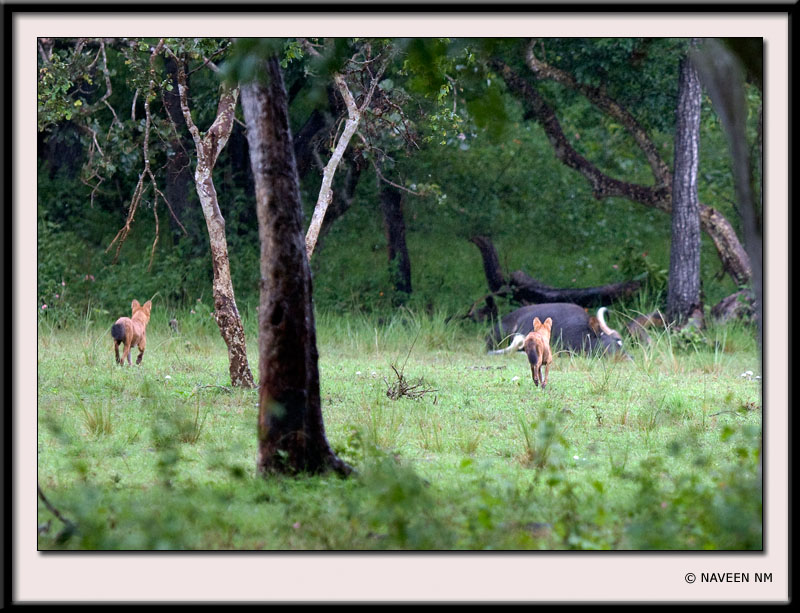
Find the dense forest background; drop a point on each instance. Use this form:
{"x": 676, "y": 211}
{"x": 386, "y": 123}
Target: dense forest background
{"x": 444, "y": 132}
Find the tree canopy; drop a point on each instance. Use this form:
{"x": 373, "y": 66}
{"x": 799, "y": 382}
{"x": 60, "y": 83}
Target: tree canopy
{"x": 481, "y": 137}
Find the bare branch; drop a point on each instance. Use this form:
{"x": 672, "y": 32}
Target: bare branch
{"x": 45, "y": 55}
{"x": 140, "y": 188}
{"x": 107, "y": 76}
{"x": 354, "y": 113}
{"x": 187, "y": 113}
{"x": 658, "y": 196}
{"x": 67, "y": 523}
{"x": 610, "y": 107}
{"x": 309, "y": 47}
{"x": 207, "y": 62}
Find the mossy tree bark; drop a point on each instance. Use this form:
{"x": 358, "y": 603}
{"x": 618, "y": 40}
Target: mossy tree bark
{"x": 291, "y": 432}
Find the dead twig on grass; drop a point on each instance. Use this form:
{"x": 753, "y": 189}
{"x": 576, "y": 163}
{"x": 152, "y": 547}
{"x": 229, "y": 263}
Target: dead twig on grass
{"x": 403, "y": 387}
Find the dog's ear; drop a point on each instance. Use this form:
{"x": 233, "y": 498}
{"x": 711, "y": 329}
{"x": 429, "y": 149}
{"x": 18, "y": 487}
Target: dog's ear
{"x": 536, "y": 323}
{"x": 548, "y": 323}
{"x": 147, "y": 306}
{"x": 135, "y": 305}
{"x": 594, "y": 324}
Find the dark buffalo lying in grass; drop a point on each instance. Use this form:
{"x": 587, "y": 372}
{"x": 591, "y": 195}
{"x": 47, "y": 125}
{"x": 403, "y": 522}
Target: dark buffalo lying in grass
{"x": 574, "y": 330}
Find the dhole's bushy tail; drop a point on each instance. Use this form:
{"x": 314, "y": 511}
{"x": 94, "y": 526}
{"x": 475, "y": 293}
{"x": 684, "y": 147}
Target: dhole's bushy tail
{"x": 530, "y": 350}
{"x": 118, "y": 332}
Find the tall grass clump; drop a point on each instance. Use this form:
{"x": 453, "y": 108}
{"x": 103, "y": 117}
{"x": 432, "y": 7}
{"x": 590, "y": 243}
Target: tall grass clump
{"x": 543, "y": 439}
{"x": 96, "y": 418}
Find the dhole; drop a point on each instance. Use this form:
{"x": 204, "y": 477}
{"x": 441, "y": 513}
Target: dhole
{"x": 131, "y": 331}
{"x": 537, "y": 346}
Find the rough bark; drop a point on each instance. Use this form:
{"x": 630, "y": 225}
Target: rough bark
{"x": 683, "y": 285}
{"x": 208, "y": 148}
{"x": 395, "y": 228}
{"x": 733, "y": 257}
{"x": 291, "y": 432}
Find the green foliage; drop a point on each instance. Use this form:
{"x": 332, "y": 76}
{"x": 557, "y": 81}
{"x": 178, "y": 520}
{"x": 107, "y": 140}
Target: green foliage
{"x": 684, "y": 511}
{"x": 245, "y": 61}
{"x": 478, "y": 165}
{"x": 639, "y": 73}
{"x": 54, "y": 88}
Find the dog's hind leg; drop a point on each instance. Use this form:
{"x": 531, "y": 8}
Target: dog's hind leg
{"x": 116, "y": 352}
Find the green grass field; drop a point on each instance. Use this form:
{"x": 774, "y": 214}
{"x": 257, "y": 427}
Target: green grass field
{"x": 660, "y": 452}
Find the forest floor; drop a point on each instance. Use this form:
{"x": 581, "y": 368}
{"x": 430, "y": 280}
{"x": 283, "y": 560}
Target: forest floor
{"x": 658, "y": 452}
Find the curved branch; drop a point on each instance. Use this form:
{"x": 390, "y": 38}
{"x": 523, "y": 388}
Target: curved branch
{"x": 731, "y": 253}
{"x": 598, "y": 97}
{"x": 140, "y": 187}
{"x": 602, "y": 185}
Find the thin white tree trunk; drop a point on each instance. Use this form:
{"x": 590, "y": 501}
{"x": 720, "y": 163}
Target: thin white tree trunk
{"x": 326, "y": 189}
{"x": 354, "y": 113}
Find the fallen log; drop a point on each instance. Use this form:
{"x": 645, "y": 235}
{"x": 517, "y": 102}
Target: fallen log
{"x": 524, "y": 289}
{"x": 528, "y": 290}
{"x": 739, "y": 305}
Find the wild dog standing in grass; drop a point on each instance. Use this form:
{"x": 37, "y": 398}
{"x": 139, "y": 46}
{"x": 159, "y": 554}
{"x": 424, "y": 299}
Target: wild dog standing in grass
{"x": 537, "y": 346}
{"x": 130, "y": 331}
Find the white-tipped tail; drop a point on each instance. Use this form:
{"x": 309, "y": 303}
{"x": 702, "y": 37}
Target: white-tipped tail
{"x": 515, "y": 345}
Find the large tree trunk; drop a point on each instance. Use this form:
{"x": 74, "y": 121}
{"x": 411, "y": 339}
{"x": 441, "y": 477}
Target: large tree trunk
{"x": 683, "y": 286}
{"x": 395, "y": 228}
{"x": 291, "y": 433}
{"x": 225, "y": 311}
{"x": 208, "y": 148}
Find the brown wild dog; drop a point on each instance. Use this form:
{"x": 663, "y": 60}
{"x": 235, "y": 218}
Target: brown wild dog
{"x": 130, "y": 331}
{"x": 537, "y": 346}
